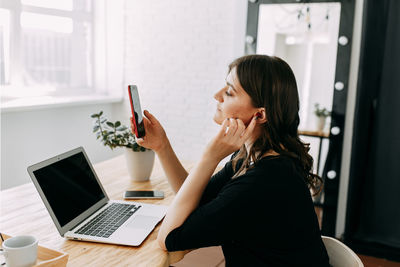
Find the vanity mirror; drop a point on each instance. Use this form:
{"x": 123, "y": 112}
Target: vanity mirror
{"x": 314, "y": 37}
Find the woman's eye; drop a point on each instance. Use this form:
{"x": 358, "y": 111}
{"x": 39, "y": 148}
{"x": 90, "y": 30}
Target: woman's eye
{"x": 227, "y": 93}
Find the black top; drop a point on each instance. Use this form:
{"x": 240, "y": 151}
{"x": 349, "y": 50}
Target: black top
{"x": 265, "y": 217}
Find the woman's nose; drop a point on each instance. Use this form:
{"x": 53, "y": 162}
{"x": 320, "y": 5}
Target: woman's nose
{"x": 218, "y": 95}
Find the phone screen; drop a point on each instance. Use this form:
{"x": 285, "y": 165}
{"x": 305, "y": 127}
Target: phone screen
{"x": 136, "y": 110}
{"x": 143, "y": 194}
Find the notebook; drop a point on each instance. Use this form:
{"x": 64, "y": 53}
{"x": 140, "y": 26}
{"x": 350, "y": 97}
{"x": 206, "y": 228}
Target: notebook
{"x": 80, "y": 207}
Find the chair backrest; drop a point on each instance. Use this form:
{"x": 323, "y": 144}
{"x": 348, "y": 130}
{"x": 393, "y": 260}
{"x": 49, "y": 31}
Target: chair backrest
{"x": 340, "y": 254}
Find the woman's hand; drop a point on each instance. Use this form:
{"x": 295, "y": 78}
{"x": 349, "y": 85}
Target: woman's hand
{"x": 155, "y": 137}
{"x": 231, "y": 137}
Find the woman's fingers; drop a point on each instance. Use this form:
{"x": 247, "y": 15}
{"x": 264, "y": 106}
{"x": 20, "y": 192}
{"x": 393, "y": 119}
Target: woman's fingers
{"x": 224, "y": 126}
{"x": 241, "y": 127}
{"x": 147, "y": 123}
{"x": 140, "y": 141}
{"x": 236, "y": 127}
{"x": 249, "y": 128}
{"x": 151, "y": 117}
{"x": 232, "y": 127}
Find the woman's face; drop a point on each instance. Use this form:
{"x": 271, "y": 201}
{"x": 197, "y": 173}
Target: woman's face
{"x": 233, "y": 101}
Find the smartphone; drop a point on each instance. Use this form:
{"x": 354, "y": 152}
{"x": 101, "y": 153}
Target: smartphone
{"x": 143, "y": 194}
{"x": 136, "y": 111}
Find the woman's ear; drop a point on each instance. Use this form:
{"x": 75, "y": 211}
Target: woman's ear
{"x": 261, "y": 116}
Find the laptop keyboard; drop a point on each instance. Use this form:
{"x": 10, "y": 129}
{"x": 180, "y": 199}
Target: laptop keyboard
{"x": 105, "y": 223}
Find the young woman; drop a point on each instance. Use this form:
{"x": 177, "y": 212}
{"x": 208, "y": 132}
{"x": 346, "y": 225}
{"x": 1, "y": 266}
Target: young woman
{"x": 259, "y": 206}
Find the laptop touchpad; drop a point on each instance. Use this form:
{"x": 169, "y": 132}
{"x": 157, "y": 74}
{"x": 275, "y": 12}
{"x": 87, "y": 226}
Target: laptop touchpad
{"x": 141, "y": 221}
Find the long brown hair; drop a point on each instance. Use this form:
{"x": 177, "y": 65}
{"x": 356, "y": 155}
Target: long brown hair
{"x": 270, "y": 83}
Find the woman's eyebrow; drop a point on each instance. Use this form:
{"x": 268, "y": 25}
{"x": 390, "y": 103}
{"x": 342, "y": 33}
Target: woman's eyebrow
{"x": 231, "y": 85}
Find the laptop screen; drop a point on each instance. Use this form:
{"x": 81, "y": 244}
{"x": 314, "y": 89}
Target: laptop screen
{"x": 69, "y": 186}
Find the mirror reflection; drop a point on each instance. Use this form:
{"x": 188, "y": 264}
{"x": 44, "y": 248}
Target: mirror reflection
{"x": 305, "y": 36}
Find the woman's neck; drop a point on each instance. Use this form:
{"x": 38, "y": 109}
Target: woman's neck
{"x": 249, "y": 143}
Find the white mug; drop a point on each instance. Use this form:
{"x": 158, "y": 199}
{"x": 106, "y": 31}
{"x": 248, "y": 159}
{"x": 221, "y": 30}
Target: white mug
{"x": 20, "y": 251}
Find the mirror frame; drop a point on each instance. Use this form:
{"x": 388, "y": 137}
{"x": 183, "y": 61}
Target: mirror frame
{"x": 343, "y": 56}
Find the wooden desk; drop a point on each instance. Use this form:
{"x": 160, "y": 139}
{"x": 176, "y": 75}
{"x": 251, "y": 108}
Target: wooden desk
{"x": 23, "y": 212}
{"x": 318, "y": 134}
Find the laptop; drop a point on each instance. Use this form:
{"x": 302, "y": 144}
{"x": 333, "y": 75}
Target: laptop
{"x": 80, "y": 207}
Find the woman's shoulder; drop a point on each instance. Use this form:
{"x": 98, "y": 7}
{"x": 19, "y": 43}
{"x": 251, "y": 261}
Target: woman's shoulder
{"x": 270, "y": 169}
{"x": 269, "y": 176}
{"x": 273, "y": 162}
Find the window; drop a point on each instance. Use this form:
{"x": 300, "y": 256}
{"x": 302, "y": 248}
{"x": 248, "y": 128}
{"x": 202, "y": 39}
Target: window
{"x": 47, "y": 48}
{"x": 4, "y": 46}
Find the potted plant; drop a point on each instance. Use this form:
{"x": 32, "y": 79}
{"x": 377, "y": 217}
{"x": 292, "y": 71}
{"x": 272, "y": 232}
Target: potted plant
{"x": 322, "y": 113}
{"x": 139, "y": 160}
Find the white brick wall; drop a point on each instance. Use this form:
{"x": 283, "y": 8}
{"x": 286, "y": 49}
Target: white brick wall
{"x": 178, "y": 53}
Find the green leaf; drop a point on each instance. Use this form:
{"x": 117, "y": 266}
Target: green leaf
{"x": 122, "y": 128}
{"x": 110, "y": 124}
{"x": 117, "y": 124}
{"x": 101, "y": 113}
{"x": 94, "y": 115}
{"x": 96, "y": 128}
{"x": 103, "y": 120}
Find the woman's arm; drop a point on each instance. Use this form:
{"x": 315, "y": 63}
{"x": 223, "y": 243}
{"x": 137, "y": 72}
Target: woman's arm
{"x": 176, "y": 173}
{"x": 230, "y": 138}
{"x": 188, "y": 197}
{"x": 157, "y": 140}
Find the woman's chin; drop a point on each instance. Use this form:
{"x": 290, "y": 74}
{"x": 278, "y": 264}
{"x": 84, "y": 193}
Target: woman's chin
{"x": 217, "y": 119}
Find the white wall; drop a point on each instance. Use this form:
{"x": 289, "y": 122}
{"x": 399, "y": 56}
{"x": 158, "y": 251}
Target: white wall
{"x": 28, "y": 137}
{"x": 178, "y": 53}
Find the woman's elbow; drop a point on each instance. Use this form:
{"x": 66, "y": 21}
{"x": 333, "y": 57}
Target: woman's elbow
{"x": 161, "y": 242}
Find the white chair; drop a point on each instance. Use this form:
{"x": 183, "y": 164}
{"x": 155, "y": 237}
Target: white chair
{"x": 339, "y": 254}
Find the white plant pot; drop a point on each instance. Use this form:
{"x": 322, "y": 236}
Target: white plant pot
{"x": 321, "y": 123}
{"x": 139, "y": 164}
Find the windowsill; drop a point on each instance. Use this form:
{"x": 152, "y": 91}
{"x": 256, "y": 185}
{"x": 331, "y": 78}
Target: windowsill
{"x": 47, "y": 102}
